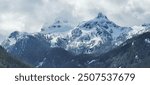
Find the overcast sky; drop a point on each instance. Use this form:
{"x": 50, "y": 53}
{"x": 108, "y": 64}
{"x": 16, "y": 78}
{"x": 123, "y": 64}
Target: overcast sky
{"x": 30, "y": 15}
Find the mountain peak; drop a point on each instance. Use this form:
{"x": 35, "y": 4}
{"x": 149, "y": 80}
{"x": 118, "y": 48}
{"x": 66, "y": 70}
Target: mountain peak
{"x": 14, "y": 34}
{"x": 57, "y": 27}
{"x": 101, "y": 15}
{"x": 146, "y": 25}
{"x": 60, "y": 21}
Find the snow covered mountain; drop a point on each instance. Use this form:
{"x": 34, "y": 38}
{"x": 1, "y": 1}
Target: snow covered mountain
{"x": 101, "y": 35}
{"x": 57, "y": 27}
{"x": 13, "y": 38}
{"x": 96, "y": 35}
{"x": 137, "y": 30}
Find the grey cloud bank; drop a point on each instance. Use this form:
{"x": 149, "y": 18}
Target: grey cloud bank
{"x": 30, "y": 15}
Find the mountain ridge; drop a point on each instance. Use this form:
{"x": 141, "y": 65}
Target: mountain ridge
{"x": 86, "y": 38}
{"x": 97, "y": 36}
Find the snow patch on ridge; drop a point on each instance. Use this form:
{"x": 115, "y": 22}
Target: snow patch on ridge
{"x": 147, "y": 40}
{"x": 91, "y": 61}
{"x": 41, "y": 63}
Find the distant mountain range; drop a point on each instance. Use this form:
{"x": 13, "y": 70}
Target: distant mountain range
{"x": 98, "y": 42}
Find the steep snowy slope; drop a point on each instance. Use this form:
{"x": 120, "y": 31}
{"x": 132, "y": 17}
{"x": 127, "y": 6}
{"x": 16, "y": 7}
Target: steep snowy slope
{"x": 100, "y": 34}
{"x": 137, "y": 30}
{"x": 97, "y": 34}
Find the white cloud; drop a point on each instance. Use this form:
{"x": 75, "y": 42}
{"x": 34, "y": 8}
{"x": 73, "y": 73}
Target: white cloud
{"x": 1, "y": 38}
{"x": 30, "y": 15}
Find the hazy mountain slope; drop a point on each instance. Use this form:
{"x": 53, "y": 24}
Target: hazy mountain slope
{"x": 7, "y": 61}
{"x": 57, "y": 57}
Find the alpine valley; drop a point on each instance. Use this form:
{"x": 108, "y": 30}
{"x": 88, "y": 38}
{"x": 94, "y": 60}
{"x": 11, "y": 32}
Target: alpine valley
{"x": 98, "y": 42}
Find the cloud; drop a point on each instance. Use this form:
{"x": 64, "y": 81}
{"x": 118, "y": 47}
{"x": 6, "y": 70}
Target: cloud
{"x": 30, "y": 15}
{"x": 124, "y": 13}
{"x": 2, "y": 38}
